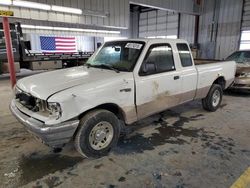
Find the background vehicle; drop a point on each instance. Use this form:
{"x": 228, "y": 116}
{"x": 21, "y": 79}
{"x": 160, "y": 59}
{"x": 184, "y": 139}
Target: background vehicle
{"x": 242, "y": 77}
{"x": 124, "y": 81}
{"x": 23, "y": 55}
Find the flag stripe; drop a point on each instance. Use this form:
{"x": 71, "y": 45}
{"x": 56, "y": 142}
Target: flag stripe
{"x": 64, "y": 48}
{"x": 65, "y": 44}
{"x": 65, "y": 40}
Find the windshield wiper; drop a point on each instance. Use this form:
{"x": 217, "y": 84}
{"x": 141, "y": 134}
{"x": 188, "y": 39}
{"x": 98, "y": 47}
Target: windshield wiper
{"x": 111, "y": 67}
{"x": 103, "y": 66}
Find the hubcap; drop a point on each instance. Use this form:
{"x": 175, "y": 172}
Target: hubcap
{"x": 101, "y": 135}
{"x": 216, "y": 98}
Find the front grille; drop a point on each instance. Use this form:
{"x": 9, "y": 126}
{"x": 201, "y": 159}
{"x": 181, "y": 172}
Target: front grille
{"x": 26, "y": 100}
{"x": 31, "y": 103}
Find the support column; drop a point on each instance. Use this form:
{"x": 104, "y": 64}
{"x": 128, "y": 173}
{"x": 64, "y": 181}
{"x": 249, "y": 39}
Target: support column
{"x": 9, "y": 50}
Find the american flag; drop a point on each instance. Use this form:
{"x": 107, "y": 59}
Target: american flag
{"x": 58, "y": 44}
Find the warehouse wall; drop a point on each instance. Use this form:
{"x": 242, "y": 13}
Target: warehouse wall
{"x": 187, "y": 27}
{"x": 67, "y": 33}
{"x": 219, "y": 28}
{"x": 228, "y": 36}
{"x": 118, "y": 11}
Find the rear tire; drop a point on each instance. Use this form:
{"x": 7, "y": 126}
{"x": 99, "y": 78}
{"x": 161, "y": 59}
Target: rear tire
{"x": 98, "y": 133}
{"x": 213, "y": 99}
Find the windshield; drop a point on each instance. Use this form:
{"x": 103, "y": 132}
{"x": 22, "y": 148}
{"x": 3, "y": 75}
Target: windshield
{"x": 241, "y": 57}
{"x": 119, "y": 55}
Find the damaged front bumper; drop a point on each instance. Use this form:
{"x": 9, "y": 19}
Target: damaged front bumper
{"x": 51, "y": 135}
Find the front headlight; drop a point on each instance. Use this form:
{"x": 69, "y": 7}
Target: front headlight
{"x": 55, "y": 110}
{"x": 17, "y": 91}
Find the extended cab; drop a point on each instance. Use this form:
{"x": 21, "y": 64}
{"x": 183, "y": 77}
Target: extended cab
{"x": 124, "y": 81}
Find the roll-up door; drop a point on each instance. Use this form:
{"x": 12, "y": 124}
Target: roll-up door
{"x": 245, "y": 27}
{"x": 158, "y": 23}
{"x": 246, "y": 16}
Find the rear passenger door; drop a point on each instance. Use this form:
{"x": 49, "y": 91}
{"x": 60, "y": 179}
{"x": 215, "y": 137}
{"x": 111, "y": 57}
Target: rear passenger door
{"x": 188, "y": 74}
{"x": 157, "y": 89}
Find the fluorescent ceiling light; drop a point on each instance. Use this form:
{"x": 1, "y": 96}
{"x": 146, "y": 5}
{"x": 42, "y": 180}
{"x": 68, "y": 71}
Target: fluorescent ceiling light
{"x": 42, "y": 6}
{"x": 69, "y": 29}
{"x": 76, "y": 29}
{"x": 5, "y": 2}
{"x": 44, "y": 27}
{"x": 172, "y": 37}
{"x": 33, "y": 5}
{"x": 28, "y": 26}
{"x": 61, "y": 28}
{"x": 66, "y": 9}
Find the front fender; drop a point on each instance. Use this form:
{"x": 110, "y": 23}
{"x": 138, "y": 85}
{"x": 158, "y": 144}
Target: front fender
{"x": 77, "y": 100}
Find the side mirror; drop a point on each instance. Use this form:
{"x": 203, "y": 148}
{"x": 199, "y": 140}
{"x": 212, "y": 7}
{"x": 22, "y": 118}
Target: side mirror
{"x": 148, "y": 68}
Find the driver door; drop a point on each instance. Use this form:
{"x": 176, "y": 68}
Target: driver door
{"x": 158, "y": 84}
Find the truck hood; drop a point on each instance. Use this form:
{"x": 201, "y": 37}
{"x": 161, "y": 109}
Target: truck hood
{"x": 46, "y": 84}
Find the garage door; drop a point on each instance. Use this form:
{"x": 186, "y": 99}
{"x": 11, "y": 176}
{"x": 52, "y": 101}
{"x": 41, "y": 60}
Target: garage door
{"x": 245, "y": 34}
{"x": 158, "y": 23}
{"x": 246, "y": 16}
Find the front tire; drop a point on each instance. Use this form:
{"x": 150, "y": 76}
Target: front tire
{"x": 97, "y": 134}
{"x": 213, "y": 99}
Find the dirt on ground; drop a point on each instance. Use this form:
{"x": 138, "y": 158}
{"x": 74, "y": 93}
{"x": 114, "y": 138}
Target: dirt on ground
{"x": 181, "y": 147}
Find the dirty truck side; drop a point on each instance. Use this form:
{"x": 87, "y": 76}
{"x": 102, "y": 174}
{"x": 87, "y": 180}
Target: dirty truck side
{"x": 123, "y": 82}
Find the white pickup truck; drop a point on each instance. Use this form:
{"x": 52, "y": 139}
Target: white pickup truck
{"x": 124, "y": 81}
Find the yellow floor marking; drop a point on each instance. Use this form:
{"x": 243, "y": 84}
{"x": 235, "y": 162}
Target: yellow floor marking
{"x": 243, "y": 181}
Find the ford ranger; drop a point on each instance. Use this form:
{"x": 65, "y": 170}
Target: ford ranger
{"x": 124, "y": 81}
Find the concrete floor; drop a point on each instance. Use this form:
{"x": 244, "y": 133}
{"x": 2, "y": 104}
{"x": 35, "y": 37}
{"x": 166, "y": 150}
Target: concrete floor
{"x": 182, "y": 147}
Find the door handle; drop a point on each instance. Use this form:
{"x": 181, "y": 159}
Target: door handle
{"x": 176, "y": 77}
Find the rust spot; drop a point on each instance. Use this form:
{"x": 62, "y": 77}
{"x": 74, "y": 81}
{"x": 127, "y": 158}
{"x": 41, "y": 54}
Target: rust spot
{"x": 155, "y": 87}
{"x": 160, "y": 103}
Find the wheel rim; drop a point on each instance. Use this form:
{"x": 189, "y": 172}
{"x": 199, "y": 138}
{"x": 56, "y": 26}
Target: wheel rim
{"x": 101, "y": 135}
{"x": 216, "y": 98}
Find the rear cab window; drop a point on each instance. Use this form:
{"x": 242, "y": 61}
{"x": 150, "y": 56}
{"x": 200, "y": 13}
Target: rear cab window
{"x": 184, "y": 54}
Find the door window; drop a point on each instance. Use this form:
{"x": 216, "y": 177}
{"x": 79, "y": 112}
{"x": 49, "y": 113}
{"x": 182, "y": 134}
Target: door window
{"x": 159, "y": 59}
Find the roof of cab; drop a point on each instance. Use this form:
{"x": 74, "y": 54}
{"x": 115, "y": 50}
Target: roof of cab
{"x": 157, "y": 40}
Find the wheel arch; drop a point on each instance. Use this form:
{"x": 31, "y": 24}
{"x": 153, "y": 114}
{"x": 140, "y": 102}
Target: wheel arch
{"x": 220, "y": 81}
{"x": 114, "y": 108}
